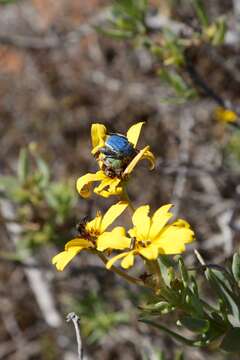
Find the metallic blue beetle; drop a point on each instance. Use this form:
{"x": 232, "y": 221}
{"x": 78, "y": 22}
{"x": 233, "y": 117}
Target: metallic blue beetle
{"x": 118, "y": 152}
{"x": 118, "y": 145}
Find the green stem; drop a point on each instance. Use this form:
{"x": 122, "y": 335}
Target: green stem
{"x": 125, "y": 197}
{"x": 121, "y": 273}
{"x": 158, "y": 283}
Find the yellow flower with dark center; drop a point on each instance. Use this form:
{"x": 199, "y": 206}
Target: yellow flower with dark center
{"x": 111, "y": 185}
{"x": 150, "y": 236}
{"x": 90, "y": 232}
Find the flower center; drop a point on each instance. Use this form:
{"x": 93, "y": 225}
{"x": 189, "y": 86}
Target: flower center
{"x": 93, "y": 235}
{"x": 144, "y": 243}
{"x": 137, "y": 244}
{"x": 83, "y": 232}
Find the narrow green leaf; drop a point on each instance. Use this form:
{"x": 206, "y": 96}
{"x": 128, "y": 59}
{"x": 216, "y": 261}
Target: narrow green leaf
{"x": 183, "y": 272}
{"x": 194, "y": 286}
{"x": 161, "y": 307}
{"x": 23, "y": 165}
{"x": 195, "y": 324}
{"x": 236, "y": 267}
{"x": 174, "y": 80}
{"x": 201, "y": 12}
{"x": 219, "y": 35}
{"x": 170, "y": 332}
{"x": 44, "y": 171}
{"x": 166, "y": 260}
{"x": 134, "y": 9}
{"x": 194, "y": 303}
{"x": 166, "y": 269}
{"x": 223, "y": 288}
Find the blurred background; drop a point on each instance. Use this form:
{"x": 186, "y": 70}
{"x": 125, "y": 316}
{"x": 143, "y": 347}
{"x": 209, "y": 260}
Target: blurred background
{"x": 58, "y": 75}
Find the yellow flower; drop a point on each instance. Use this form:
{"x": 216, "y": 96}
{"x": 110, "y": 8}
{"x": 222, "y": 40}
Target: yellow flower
{"x": 89, "y": 233}
{"x": 225, "y": 115}
{"x": 108, "y": 186}
{"x": 111, "y": 185}
{"x": 150, "y": 237}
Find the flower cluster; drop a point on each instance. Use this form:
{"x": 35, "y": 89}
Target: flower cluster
{"x": 148, "y": 236}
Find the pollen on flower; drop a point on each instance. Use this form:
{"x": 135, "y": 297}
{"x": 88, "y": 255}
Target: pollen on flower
{"x": 94, "y": 234}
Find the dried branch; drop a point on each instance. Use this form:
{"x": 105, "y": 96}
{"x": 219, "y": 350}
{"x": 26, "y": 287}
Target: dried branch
{"x": 76, "y": 321}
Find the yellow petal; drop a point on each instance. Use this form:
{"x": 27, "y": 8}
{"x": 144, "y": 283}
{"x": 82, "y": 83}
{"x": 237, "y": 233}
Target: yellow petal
{"x": 133, "y": 232}
{"x": 94, "y": 225}
{"x": 150, "y": 252}
{"x": 63, "y": 258}
{"x": 181, "y": 223}
{"x": 111, "y": 185}
{"x": 100, "y": 162}
{"x": 106, "y": 182}
{"x": 98, "y": 134}
{"x": 141, "y": 221}
{"x": 108, "y": 193}
{"x": 115, "y": 258}
{"x": 84, "y": 183}
{"x": 77, "y": 242}
{"x": 185, "y": 228}
{"x": 159, "y": 220}
{"x": 112, "y": 214}
{"x": 114, "y": 184}
{"x": 134, "y": 132}
{"x": 171, "y": 248}
{"x": 135, "y": 161}
{"x": 128, "y": 260}
{"x": 173, "y": 240}
{"x": 115, "y": 239}
{"x": 148, "y": 155}
{"x": 115, "y": 187}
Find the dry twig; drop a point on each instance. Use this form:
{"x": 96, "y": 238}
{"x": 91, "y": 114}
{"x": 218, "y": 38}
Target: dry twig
{"x": 76, "y": 321}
